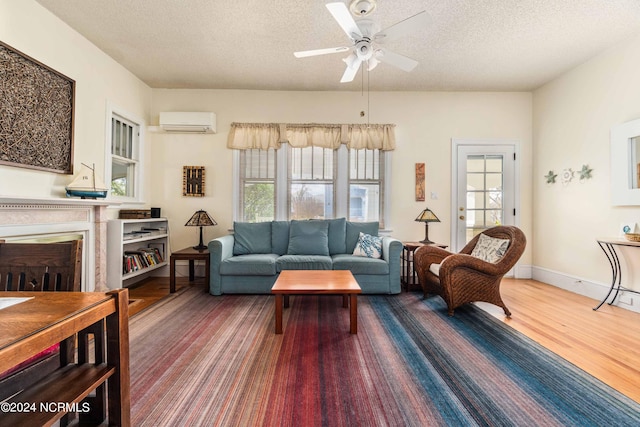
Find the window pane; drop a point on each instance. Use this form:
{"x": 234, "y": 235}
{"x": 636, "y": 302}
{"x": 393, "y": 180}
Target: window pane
{"x": 122, "y": 178}
{"x": 494, "y": 164}
{"x": 494, "y": 181}
{"x": 475, "y": 181}
{"x": 310, "y": 200}
{"x": 475, "y": 164}
{"x": 364, "y": 202}
{"x": 258, "y": 201}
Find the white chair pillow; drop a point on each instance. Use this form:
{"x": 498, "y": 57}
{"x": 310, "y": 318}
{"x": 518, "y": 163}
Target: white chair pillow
{"x": 435, "y": 269}
{"x": 490, "y": 249}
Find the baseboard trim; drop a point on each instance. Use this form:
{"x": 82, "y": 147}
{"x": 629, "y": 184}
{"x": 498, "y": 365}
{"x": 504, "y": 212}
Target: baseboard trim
{"x": 581, "y": 286}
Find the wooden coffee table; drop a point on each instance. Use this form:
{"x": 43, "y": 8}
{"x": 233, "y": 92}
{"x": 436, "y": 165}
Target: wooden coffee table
{"x": 317, "y": 282}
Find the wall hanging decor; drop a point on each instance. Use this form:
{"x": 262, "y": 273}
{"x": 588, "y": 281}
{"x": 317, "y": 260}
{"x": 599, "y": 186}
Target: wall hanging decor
{"x": 420, "y": 191}
{"x": 193, "y": 181}
{"x": 36, "y": 114}
{"x": 585, "y": 173}
{"x": 551, "y": 177}
{"x": 567, "y": 176}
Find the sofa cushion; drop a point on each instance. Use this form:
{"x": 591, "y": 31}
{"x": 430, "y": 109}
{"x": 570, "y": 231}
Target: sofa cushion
{"x": 279, "y": 237}
{"x": 490, "y": 249}
{"x": 303, "y": 262}
{"x": 249, "y": 265}
{"x": 353, "y": 233}
{"x": 251, "y": 238}
{"x": 360, "y": 265}
{"x": 337, "y": 235}
{"x": 308, "y": 238}
{"x": 368, "y": 246}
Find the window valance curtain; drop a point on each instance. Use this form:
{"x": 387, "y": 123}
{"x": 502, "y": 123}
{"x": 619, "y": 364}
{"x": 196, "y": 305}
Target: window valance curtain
{"x": 245, "y": 136}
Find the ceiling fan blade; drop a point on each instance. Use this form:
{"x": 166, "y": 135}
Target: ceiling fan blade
{"x": 402, "y": 28}
{"x": 351, "y": 71}
{"x": 306, "y": 53}
{"x": 403, "y": 62}
{"x": 341, "y": 14}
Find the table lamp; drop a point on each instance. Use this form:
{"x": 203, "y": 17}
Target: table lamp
{"x": 200, "y": 219}
{"x": 427, "y": 216}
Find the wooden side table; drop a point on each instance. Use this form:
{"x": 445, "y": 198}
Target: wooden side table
{"x": 409, "y": 278}
{"x": 191, "y": 255}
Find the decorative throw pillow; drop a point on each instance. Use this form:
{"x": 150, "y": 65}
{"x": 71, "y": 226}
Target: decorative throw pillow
{"x": 490, "y": 249}
{"x": 251, "y": 238}
{"x": 369, "y": 246}
{"x": 353, "y": 233}
{"x": 308, "y": 238}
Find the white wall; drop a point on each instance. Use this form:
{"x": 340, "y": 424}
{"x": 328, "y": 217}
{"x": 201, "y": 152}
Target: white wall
{"x": 31, "y": 29}
{"x": 573, "y": 116}
{"x": 426, "y": 123}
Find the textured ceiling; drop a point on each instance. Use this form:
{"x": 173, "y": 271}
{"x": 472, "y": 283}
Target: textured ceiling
{"x": 470, "y": 45}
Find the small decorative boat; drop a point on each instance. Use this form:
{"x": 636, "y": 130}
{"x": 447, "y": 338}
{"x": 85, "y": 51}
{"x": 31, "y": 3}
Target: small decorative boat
{"x": 87, "y": 185}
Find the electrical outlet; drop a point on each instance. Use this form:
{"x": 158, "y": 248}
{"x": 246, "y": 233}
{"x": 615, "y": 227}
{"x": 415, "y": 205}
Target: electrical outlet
{"x": 434, "y": 195}
{"x": 625, "y": 299}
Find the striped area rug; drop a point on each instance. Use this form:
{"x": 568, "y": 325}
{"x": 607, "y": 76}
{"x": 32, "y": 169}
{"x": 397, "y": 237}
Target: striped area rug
{"x": 199, "y": 360}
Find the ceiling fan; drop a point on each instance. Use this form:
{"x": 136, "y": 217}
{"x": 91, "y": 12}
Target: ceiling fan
{"x": 366, "y": 41}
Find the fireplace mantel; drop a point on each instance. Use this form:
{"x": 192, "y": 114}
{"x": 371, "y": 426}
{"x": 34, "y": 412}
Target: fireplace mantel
{"x": 24, "y": 218}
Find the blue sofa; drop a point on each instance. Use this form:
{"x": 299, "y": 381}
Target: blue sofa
{"x": 250, "y": 260}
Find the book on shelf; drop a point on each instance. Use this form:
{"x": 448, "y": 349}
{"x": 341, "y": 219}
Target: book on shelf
{"x": 141, "y": 258}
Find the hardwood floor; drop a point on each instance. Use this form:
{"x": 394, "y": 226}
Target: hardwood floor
{"x": 604, "y": 343}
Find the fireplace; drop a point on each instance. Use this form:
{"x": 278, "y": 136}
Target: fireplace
{"x": 61, "y": 219}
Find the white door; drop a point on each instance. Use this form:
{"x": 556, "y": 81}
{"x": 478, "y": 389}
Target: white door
{"x": 484, "y": 189}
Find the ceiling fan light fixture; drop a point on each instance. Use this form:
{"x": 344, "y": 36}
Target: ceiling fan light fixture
{"x": 361, "y": 8}
{"x": 351, "y": 60}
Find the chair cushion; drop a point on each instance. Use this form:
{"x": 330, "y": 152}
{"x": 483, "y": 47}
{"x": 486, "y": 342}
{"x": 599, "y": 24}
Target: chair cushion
{"x": 489, "y": 248}
{"x": 360, "y": 265}
{"x": 308, "y": 238}
{"x": 251, "y": 238}
{"x": 368, "y": 246}
{"x": 353, "y": 233}
{"x": 303, "y": 262}
{"x": 249, "y": 265}
{"x": 435, "y": 269}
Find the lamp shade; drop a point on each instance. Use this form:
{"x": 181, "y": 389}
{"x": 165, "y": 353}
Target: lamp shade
{"x": 200, "y": 219}
{"x": 427, "y": 216}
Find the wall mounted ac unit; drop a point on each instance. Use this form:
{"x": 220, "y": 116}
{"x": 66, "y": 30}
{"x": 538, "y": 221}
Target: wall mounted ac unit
{"x": 188, "y": 122}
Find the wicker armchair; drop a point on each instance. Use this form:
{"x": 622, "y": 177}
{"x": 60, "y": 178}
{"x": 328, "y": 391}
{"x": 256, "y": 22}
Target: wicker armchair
{"x": 463, "y": 278}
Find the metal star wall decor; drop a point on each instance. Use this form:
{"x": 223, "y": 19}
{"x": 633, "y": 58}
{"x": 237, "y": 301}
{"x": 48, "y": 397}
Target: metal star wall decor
{"x": 551, "y": 177}
{"x": 585, "y": 172}
{"x": 567, "y": 176}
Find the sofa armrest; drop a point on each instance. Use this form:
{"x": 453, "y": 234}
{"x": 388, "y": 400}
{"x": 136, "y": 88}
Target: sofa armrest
{"x": 391, "y": 248}
{"x": 219, "y": 250}
{"x": 391, "y": 252}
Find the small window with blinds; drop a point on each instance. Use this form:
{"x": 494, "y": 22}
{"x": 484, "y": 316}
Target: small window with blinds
{"x": 257, "y": 185}
{"x": 366, "y": 184}
{"x": 124, "y": 157}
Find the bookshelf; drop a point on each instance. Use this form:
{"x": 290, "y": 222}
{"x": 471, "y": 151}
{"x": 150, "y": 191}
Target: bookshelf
{"x": 135, "y": 248}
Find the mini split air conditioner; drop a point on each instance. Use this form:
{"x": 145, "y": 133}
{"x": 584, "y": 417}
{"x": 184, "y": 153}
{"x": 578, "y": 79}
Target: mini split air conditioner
{"x": 188, "y": 122}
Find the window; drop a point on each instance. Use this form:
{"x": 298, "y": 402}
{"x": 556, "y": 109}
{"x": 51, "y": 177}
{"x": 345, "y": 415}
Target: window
{"x": 366, "y": 178}
{"x": 311, "y": 175}
{"x": 258, "y": 185}
{"x": 311, "y": 182}
{"x": 123, "y": 170}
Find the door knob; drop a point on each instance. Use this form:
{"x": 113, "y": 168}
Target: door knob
{"x": 461, "y": 217}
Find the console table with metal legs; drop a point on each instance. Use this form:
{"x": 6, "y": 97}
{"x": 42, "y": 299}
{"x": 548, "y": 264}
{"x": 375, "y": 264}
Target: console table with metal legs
{"x": 608, "y": 246}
